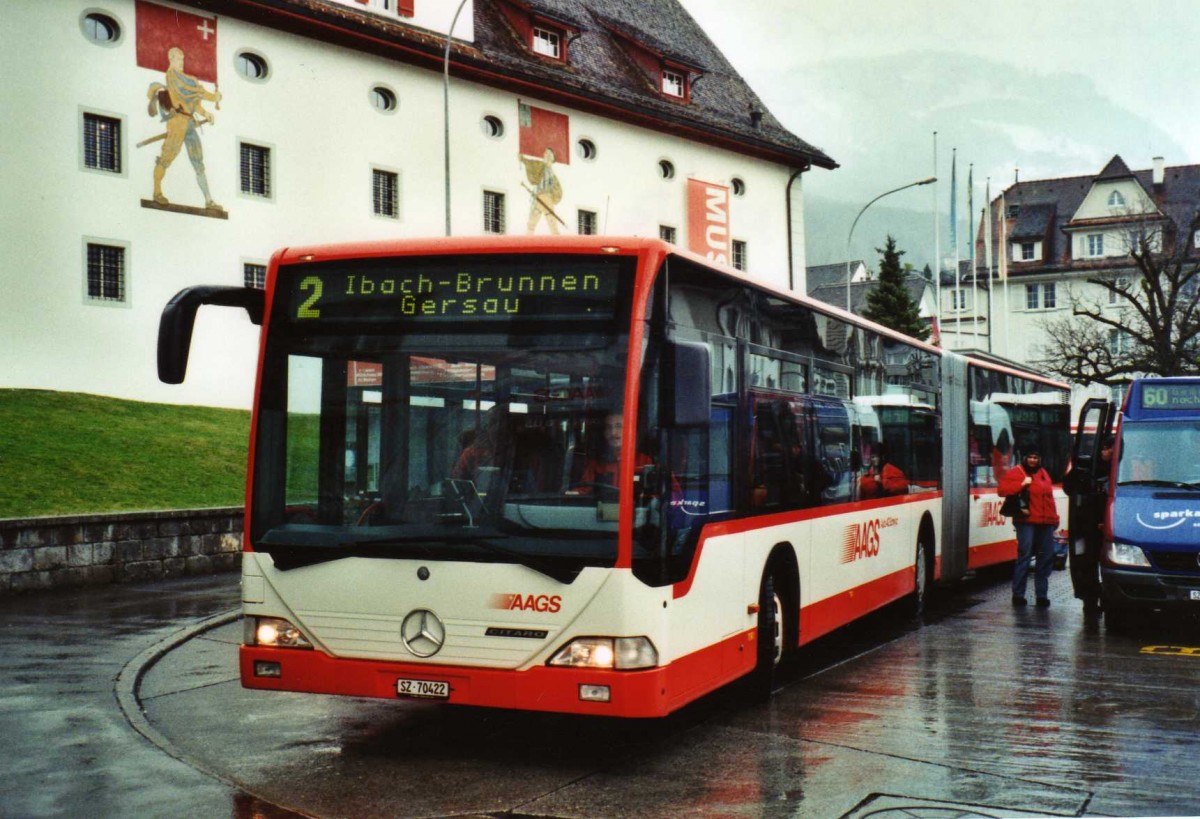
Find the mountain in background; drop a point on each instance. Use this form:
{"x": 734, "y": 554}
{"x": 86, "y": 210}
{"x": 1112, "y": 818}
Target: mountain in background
{"x": 876, "y": 117}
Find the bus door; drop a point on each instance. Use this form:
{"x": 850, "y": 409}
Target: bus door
{"x": 1087, "y": 488}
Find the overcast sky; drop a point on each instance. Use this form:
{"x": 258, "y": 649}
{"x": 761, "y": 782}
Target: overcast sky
{"x": 1052, "y": 87}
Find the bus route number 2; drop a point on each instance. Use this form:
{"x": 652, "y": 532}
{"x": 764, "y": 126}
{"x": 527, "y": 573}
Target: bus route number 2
{"x": 306, "y": 308}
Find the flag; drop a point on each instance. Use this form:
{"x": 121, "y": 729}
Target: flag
{"x": 541, "y": 129}
{"x": 159, "y": 29}
{"x": 971, "y": 214}
{"x": 987, "y": 228}
{"x": 953, "y": 207}
{"x": 1003, "y": 249}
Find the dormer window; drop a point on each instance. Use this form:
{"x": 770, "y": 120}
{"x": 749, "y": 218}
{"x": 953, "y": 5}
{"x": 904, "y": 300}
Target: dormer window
{"x": 674, "y": 84}
{"x": 546, "y": 42}
{"x": 1116, "y": 200}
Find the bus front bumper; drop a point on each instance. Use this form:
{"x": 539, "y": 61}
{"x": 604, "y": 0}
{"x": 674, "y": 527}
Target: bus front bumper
{"x": 542, "y": 688}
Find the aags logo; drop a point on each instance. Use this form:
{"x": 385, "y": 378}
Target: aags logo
{"x": 862, "y": 540}
{"x": 526, "y": 602}
{"x": 991, "y": 514}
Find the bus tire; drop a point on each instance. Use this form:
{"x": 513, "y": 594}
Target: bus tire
{"x": 920, "y": 594}
{"x": 771, "y": 646}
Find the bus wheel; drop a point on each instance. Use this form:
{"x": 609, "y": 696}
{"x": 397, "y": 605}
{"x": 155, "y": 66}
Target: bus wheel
{"x": 770, "y": 637}
{"x": 916, "y": 601}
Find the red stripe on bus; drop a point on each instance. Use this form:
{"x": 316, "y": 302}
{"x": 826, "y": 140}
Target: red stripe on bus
{"x": 819, "y": 618}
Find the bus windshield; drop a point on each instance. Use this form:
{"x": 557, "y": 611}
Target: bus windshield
{"x": 1160, "y": 453}
{"x": 465, "y": 440}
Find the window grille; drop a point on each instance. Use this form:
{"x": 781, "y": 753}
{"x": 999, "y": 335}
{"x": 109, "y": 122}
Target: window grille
{"x": 105, "y": 272}
{"x": 493, "y": 212}
{"x": 101, "y": 143}
{"x": 384, "y": 193}
{"x": 256, "y": 170}
{"x": 587, "y": 222}
{"x": 254, "y": 275}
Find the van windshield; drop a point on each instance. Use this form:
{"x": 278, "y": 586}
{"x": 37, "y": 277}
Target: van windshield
{"x": 1160, "y": 453}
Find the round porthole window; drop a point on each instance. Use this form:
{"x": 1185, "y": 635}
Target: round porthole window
{"x": 384, "y": 99}
{"x": 738, "y": 186}
{"x": 586, "y": 149}
{"x": 666, "y": 169}
{"x": 492, "y": 126}
{"x": 251, "y": 66}
{"x": 100, "y": 28}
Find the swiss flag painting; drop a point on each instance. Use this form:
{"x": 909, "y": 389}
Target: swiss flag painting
{"x": 541, "y": 129}
{"x": 161, "y": 28}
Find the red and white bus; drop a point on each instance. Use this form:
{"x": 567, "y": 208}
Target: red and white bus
{"x": 425, "y": 517}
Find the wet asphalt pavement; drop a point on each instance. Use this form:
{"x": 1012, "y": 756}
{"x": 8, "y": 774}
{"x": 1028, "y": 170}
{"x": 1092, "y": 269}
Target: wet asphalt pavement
{"x": 124, "y": 701}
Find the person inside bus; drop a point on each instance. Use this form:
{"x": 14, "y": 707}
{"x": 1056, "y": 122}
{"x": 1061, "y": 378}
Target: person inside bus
{"x": 1035, "y": 529}
{"x": 602, "y": 468}
{"x": 882, "y": 478}
{"x": 1000, "y": 455}
{"x": 1091, "y": 493}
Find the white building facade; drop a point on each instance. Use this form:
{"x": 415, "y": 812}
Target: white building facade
{"x": 312, "y": 121}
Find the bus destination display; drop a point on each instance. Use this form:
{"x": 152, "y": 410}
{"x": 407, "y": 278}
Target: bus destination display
{"x": 456, "y": 291}
{"x": 1171, "y": 396}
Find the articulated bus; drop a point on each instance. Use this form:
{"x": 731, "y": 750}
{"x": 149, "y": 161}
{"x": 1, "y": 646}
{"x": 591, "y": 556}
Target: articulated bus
{"x": 424, "y": 515}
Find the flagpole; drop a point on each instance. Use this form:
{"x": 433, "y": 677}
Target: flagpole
{"x": 987, "y": 236}
{"x": 1004, "y": 270}
{"x": 937, "y": 249}
{"x": 954, "y": 231}
{"x": 971, "y": 251}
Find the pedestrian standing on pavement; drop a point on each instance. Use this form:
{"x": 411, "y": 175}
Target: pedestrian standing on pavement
{"x": 1035, "y": 528}
{"x": 1088, "y": 489}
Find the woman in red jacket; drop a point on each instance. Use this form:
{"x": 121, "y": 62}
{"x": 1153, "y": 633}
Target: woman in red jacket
{"x": 1035, "y": 531}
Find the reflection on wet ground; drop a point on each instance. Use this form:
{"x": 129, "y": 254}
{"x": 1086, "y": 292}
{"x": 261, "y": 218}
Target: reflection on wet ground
{"x": 980, "y": 710}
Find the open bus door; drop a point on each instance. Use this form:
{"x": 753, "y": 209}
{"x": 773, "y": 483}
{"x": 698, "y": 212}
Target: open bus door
{"x": 1087, "y": 487}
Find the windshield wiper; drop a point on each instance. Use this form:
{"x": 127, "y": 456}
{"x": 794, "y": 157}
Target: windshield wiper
{"x": 296, "y": 547}
{"x": 1162, "y": 483}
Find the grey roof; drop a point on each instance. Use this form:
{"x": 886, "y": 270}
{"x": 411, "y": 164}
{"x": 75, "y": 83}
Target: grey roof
{"x": 835, "y": 294}
{"x": 600, "y": 76}
{"x": 1051, "y": 203}
{"x": 827, "y": 275}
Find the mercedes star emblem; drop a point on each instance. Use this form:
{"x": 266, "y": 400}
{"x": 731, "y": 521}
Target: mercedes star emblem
{"x": 423, "y": 633}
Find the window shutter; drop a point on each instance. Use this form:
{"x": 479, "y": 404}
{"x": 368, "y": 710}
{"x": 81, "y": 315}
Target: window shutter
{"x": 406, "y": 8}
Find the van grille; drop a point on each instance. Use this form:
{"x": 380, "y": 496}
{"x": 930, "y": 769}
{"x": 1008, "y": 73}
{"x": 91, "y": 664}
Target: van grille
{"x": 1175, "y": 561}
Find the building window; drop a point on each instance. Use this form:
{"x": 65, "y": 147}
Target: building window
{"x": 1027, "y": 254}
{"x": 385, "y": 187}
{"x": 1013, "y": 211}
{"x": 1116, "y": 200}
{"x": 403, "y": 8}
{"x": 1095, "y": 244}
{"x": 1041, "y": 296}
{"x": 739, "y": 254}
{"x": 100, "y": 29}
{"x": 1196, "y": 239}
{"x": 666, "y": 233}
{"x": 101, "y": 143}
{"x": 958, "y": 299}
{"x": 492, "y": 126}
{"x": 666, "y": 169}
{"x": 547, "y": 43}
{"x": 254, "y": 275}
{"x": 384, "y": 99}
{"x": 105, "y": 272}
{"x": 587, "y": 222}
{"x": 493, "y": 212}
{"x": 1119, "y": 342}
{"x": 587, "y": 150}
{"x": 256, "y": 170}
{"x": 251, "y": 66}
{"x": 737, "y": 186}
{"x": 673, "y": 84}
{"x": 1114, "y": 297}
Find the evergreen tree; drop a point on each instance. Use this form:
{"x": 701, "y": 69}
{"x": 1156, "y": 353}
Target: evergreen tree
{"x": 889, "y": 303}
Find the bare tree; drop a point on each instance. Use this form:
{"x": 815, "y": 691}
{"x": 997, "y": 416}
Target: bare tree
{"x": 1153, "y": 329}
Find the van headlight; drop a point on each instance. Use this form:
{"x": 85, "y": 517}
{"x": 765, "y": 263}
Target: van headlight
{"x": 1125, "y": 554}
{"x": 621, "y": 653}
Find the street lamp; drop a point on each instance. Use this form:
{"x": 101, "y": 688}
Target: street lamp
{"x": 446, "y": 108}
{"x": 850, "y": 235}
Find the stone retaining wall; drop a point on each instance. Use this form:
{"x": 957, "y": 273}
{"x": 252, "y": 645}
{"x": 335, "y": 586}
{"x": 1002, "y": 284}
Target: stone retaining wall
{"x": 94, "y": 550}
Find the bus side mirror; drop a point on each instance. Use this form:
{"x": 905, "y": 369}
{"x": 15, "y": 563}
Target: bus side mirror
{"x": 179, "y": 318}
{"x": 688, "y": 385}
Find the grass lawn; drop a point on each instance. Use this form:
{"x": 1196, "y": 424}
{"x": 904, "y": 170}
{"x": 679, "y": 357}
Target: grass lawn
{"x": 68, "y": 453}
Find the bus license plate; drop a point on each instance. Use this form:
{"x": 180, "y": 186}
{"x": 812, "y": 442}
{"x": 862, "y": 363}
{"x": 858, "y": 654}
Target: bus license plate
{"x": 1194, "y": 594}
{"x": 429, "y": 689}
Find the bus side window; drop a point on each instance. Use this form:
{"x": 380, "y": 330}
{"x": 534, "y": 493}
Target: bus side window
{"x": 768, "y": 459}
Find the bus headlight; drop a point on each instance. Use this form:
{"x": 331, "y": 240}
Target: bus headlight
{"x": 1124, "y": 554}
{"x": 621, "y": 653}
{"x": 274, "y": 632}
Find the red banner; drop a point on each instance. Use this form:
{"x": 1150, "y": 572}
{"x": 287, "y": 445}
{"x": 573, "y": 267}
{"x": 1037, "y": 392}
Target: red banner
{"x": 708, "y": 220}
{"x": 541, "y": 129}
{"x": 161, "y": 28}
